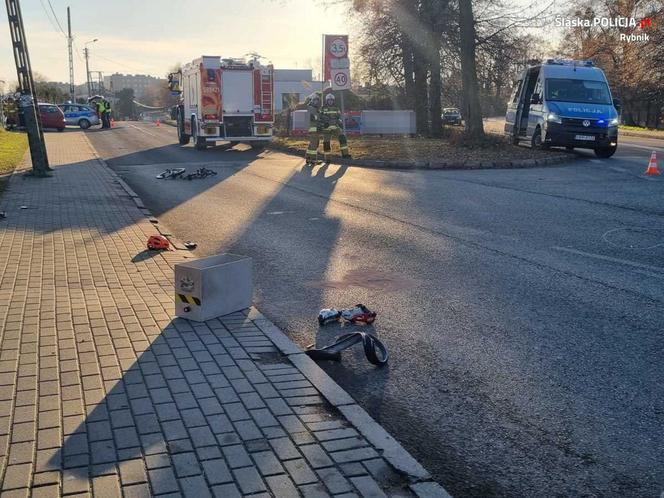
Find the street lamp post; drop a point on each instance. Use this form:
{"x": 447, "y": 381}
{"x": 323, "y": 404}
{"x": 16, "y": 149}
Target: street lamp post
{"x": 87, "y": 67}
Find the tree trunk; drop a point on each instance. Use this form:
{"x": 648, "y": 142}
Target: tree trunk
{"x": 409, "y": 82}
{"x": 420, "y": 94}
{"x": 435, "y": 91}
{"x": 437, "y": 9}
{"x": 471, "y": 103}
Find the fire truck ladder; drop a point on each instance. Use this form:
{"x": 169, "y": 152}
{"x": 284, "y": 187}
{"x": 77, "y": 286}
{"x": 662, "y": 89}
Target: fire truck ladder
{"x": 27, "y": 86}
{"x": 266, "y": 94}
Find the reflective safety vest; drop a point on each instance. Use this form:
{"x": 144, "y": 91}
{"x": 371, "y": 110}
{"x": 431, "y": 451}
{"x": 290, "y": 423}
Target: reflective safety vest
{"x": 313, "y": 114}
{"x": 331, "y": 117}
{"x": 9, "y": 107}
{"x": 106, "y": 106}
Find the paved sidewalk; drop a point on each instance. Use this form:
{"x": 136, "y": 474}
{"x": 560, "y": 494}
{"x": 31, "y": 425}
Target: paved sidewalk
{"x": 103, "y": 392}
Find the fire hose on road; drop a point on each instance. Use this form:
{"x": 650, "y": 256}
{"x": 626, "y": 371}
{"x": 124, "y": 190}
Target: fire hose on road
{"x": 375, "y": 351}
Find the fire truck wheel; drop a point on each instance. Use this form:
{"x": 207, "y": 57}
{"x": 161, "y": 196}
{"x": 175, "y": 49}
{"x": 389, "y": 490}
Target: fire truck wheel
{"x": 183, "y": 138}
{"x": 200, "y": 144}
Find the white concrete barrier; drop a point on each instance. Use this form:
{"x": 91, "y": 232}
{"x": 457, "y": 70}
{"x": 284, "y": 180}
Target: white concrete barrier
{"x": 388, "y": 122}
{"x": 370, "y": 122}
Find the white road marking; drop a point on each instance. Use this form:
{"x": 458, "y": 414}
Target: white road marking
{"x": 640, "y": 266}
{"x": 143, "y": 131}
{"x": 618, "y": 169}
{"x": 605, "y": 236}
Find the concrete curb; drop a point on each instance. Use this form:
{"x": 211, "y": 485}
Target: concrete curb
{"x": 159, "y": 227}
{"x": 628, "y": 133}
{"x": 420, "y": 481}
{"x": 439, "y": 165}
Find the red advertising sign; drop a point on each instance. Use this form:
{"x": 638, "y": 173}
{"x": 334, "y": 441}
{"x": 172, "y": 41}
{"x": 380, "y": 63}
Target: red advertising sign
{"x": 336, "y": 54}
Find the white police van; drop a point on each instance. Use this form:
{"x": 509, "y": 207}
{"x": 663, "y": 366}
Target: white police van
{"x": 564, "y": 103}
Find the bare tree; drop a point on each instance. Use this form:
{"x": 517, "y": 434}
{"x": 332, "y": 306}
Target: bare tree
{"x": 471, "y": 99}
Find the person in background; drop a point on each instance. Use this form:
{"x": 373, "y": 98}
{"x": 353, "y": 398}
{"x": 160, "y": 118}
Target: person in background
{"x": 106, "y": 119}
{"x": 313, "y": 103}
{"x": 99, "y": 106}
{"x": 332, "y": 125}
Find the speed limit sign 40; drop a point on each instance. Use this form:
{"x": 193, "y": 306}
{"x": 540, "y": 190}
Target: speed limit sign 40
{"x": 341, "y": 79}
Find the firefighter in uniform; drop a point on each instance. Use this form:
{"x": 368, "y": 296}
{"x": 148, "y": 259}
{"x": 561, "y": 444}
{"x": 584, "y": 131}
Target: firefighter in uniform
{"x": 332, "y": 125}
{"x": 10, "y": 113}
{"x": 313, "y": 103}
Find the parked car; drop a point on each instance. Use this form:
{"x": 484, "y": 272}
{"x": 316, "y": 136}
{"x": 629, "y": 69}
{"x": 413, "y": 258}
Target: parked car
{"x": 80, "y": 115}
{"x": 52, "y": 116}
{"x": 451, "y": 115}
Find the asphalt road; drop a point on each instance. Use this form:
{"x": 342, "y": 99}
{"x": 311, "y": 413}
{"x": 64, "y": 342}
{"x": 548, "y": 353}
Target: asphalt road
{"x": 523, "y": 309}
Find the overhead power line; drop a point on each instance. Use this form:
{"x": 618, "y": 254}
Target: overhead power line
{"x": 117, "y": 63}
{"x": 50, "y": 19}
{"x": 78, "y": 52}
{"x": 56, "y": 18}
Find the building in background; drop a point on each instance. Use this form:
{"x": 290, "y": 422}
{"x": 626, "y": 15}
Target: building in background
{"x": 291, "y": 86}
{"x": 139, "y": 83}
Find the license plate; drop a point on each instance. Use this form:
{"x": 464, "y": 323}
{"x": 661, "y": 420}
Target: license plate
{"x": 211, "y": 131}
{"x": 261, "y": 130}
{"x": 590, "y": 138}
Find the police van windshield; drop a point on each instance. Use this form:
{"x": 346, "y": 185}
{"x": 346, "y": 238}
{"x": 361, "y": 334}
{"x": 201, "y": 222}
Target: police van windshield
{"x": 570, "y": 90}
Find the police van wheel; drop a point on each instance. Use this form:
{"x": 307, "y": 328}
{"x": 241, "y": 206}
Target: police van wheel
{"x": 606, "y": 152}
{"x": 84, "y": 124}
{"x": 536, "y": 141}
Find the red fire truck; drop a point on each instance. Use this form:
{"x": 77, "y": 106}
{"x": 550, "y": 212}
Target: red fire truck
{"x": 224, "y": 100}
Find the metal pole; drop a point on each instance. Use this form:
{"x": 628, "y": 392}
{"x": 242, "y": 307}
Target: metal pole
{"x": 70, "y": 40}
{"x": 343, "y": 117}
{"x": 87, "y": 71}
{"x": 322, "y": 72}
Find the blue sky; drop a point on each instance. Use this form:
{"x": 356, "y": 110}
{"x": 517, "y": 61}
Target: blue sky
{"x": 150, "y": 36}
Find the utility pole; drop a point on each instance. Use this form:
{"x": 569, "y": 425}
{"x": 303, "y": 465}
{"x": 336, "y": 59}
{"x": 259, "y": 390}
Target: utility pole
{"x": 87, "y": 66}
{"x": 87, "y": 71}
{"x": 70, "y": 41}
{"x": 28, "y": 100}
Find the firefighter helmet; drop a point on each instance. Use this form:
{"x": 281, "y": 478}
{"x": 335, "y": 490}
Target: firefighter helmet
{"x": 329, "y": 99}
{"x": 313, "y": 99}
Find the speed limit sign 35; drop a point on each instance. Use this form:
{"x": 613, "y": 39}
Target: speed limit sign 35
{"x": 339, "y": 48}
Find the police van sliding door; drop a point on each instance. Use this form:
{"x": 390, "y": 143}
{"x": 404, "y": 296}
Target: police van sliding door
{"x": 512, "y": 109}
